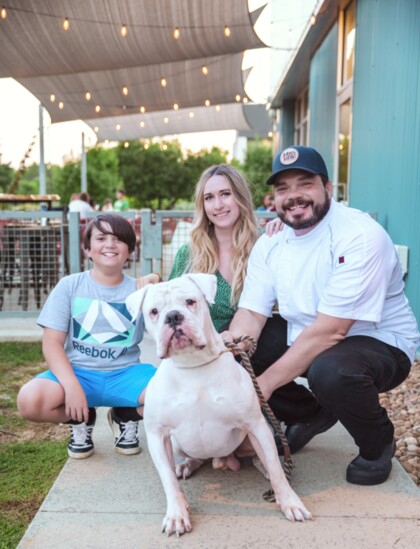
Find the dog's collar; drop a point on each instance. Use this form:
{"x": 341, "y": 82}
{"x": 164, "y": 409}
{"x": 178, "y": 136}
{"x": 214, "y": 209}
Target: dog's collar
{"x": 205, "y": 363}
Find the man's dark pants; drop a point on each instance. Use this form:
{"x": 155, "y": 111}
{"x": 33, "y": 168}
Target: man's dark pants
{"x": 345, "y": 379}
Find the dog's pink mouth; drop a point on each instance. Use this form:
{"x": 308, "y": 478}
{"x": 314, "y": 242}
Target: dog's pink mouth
{"x": 176, "y": 340}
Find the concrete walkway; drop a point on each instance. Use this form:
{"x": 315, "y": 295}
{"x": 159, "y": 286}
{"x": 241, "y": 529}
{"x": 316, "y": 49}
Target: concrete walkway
{"x": 113, "y": 501}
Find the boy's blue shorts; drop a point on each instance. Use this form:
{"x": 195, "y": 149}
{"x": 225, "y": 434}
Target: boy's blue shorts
{"x": 117, "y": 388}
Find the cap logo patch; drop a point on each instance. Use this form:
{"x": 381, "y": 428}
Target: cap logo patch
{"x": 289, "y": 156}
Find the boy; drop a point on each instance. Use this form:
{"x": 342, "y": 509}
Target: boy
{"x": 90, "y": 344}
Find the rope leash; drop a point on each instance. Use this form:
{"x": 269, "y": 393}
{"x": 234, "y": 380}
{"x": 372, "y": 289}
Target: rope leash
{"x": 245, "y": 356}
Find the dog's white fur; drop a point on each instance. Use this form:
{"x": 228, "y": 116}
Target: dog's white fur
{"x": 201, "y": 403}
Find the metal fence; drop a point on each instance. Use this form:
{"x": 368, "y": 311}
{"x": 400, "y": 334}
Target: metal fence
{"x": 40, "y": 247}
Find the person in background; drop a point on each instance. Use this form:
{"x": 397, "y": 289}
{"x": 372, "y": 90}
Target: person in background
{"x": 337, "y": 279}
{"x": 121, "y": 204}
{"x": 107, "y": 205}
{"x": 91, "y": 345}
{"x": 81, "y": 204}
{"x": 268, "y": 203}
{"x": 222, "y": 236}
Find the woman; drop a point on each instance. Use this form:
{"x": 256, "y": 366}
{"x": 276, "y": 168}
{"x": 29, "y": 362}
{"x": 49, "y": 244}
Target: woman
{"x": 222, "y": 236}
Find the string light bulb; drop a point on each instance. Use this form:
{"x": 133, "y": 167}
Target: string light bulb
{"x": 61, "y": 105}
{"x": 204, "y": 70}
{"x": 207, "y": 102}
{"x": 142, "y": 124}
{"x": 96, "y": 129}
{"x": 177, "y": 34}
{"x": 237, "y": 97}
{"x": 191, "y": 115}
{"x": 142, "y": 109}
{"x": 3, "y": 13}
{"x": 218, "y": 108}
{"x": 166, "y": 120}
{"x": 163, "y": 82}
{"x": 125, "y": 90}
{"x": 126, "y": 144}
{"x": 98, "y": 108}
{"x": 88, "y": 96}
{"x": 245, "y": 100}
{"x": 123, "y": 31}
{"x": 313, "y": 19}
{"x": 118, "y": 127}
{"x": 227, "y": 31}
{"x": 52, "y": 98}
{"x": 176, "y": 106}
{"x": 66, "y": 24}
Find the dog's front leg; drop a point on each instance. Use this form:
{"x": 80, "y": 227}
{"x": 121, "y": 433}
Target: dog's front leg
{"x": 177, "y": 519}
{"x": 290, "y": 503}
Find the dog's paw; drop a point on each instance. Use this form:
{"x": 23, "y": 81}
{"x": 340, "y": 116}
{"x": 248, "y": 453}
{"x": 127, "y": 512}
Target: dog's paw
{"x": 294, "y": 509}
{"x": 187, "y": 467}
{"x": 177, "y": 519}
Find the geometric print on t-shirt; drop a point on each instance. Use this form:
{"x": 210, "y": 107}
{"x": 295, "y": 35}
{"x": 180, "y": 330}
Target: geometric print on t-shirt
{"x": 96, "y": 321}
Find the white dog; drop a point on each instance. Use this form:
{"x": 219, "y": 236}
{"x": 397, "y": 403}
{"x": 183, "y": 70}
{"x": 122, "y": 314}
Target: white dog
{"x": 201, "y": 403}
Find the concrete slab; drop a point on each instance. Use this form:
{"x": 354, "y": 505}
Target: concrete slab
{"x": 110, "y": 501}
{"x": 117, "y": 501}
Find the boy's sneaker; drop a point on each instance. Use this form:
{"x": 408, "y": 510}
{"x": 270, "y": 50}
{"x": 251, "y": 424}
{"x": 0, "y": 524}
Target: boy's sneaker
{"x": 128, "y": 440}
{"x": 81, "y": 444}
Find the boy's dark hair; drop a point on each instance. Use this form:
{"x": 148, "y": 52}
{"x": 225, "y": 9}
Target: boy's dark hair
{"x": 120, "y": 227}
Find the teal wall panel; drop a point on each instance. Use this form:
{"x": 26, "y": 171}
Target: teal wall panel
{"x": 385, "y": 155}
{"x": 322, "y": 98}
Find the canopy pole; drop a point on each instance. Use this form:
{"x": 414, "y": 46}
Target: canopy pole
{"x": 42, "y": 181}
{"x": 84, "y": 167}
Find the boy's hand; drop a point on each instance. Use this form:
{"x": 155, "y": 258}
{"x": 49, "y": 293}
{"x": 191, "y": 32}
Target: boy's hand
{"x": 152, "y": 278}
{"x": 76, "y": 404}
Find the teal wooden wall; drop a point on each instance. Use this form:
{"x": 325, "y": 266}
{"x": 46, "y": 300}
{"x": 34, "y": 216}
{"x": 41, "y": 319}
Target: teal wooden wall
{"x": 323, "y": 98}
{"x": 385, "y": 155}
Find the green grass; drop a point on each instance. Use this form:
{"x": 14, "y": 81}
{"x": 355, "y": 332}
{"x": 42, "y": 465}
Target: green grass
{"x": 28, "y": 468}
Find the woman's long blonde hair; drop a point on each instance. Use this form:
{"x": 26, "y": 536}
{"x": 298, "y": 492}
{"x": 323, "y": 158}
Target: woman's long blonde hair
{"x": 204, "y": 247}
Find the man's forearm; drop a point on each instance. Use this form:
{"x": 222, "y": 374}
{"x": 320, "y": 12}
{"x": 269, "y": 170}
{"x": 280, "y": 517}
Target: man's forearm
{"x": 246, "y": 322}
{"x": 323, "y": 334}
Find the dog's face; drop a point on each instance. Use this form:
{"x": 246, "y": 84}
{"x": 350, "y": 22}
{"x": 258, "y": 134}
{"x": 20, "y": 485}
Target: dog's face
{"x": 176, "y": 314}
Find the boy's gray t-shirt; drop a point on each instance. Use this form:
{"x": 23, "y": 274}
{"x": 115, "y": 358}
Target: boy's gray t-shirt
{"x": 101, "y": 335}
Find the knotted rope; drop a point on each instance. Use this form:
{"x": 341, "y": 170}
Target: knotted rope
{"x": 245, "y": 356}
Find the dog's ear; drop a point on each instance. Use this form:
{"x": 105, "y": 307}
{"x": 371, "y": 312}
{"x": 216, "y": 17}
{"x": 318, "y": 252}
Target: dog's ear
{"x": 135, "y": 300}
{"x": 207, "y": 283}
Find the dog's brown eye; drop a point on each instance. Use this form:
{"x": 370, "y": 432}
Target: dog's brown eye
{"x": 154, "y": 312}
{"x": 190, "y": 302}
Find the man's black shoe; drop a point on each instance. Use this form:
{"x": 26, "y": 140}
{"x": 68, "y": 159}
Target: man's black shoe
{"x": 299, "y": 434}
{"x": 369, "y": 472}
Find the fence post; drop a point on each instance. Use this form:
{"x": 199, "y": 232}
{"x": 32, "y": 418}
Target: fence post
{"x": 74, "y": 242}
{"x": 151, "y": 242}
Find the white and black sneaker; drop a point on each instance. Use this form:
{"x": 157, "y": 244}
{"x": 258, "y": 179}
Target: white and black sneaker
{"x": 127, "y": 442}
{"x": 81, "y": 445}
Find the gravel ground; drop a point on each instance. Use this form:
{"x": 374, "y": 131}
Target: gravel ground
{"x": 403, "y": 406}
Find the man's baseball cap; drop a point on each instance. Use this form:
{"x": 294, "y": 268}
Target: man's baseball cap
{"x": 298, "y": 158}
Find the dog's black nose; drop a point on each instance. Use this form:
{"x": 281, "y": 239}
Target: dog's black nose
{"x": 174, "y": 318}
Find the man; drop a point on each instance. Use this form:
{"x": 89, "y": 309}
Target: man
{"x": 121, "y": 204}
{"x": 337, "y": 279}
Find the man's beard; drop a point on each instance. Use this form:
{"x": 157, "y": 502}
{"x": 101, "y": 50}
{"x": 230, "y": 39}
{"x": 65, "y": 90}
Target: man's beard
{"x": 319, "y": 211}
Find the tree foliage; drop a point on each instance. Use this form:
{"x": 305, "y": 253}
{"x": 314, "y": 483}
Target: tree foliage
{"x": 257, "y": 169}
{"x": 6, "y": 177}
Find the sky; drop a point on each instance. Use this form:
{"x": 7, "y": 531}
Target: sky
{"x": 19, "y": 109}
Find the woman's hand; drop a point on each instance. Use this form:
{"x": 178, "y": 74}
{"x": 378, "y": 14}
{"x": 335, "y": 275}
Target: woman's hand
{"x": 152, "y": 278}
{"x": 274, "y": 226}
